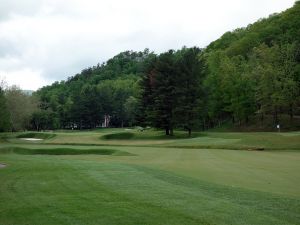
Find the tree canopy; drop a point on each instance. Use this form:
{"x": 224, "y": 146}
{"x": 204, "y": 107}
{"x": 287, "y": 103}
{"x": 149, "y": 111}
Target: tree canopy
{"x": 249, "y": 72}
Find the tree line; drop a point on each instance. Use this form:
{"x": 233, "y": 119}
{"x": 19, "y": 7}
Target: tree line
{"x": 16, "y": 108}
{"x": 249, "y": 72}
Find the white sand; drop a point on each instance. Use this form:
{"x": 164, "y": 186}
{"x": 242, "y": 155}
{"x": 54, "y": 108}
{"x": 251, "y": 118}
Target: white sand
{"x": 2, "y": 165}
{"x": 31, "y": 139}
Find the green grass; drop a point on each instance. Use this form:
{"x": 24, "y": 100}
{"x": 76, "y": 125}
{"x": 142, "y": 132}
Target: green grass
{"x": 118, "y": 136}
{"x": 149, "y": 180}
{"x": 146, "y": 135}
{"x": 62, "y": 151}
{"x": 199, "y": 140}
{"x": 37, "y": 135}
{"x": 243, "y": 141}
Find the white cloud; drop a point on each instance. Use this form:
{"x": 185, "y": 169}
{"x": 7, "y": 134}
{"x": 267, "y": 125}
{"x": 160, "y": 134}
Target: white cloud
{"x": 54, "y": 39}
{"x": 25, "y": 78}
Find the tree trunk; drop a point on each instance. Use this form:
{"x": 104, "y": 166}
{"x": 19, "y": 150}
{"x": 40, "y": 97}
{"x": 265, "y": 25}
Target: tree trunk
{"x": 291, "y": 112}
{"x": 204, "y": 125}
{"x": 262, "y": 119}
{"x": 167, "y": 131}
{"x": 212, "y": 124}
{"x": 171, "y": 132}
{"x": 275, "y": 116}
{"x": 190, "y": 132}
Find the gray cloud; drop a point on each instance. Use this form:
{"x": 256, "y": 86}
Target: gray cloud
{"x": 12, "y": 7}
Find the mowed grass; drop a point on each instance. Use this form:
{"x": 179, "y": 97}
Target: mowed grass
{"x": 204, "y": 140}
{"x": 62, "y": 151}
{"x": 147, "y": 179}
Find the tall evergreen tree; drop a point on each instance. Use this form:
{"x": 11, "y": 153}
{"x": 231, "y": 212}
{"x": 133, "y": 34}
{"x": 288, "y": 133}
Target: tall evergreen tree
{"x": 165, "y": 92}
{"x": 189, "y": 89}
{"x": 172, "y": 90}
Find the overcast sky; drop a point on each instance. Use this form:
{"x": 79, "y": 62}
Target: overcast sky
{"x": 42, "y": 41}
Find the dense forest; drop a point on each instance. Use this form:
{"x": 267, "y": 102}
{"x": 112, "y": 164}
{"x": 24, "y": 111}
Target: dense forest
{"x": 248, "y": 74}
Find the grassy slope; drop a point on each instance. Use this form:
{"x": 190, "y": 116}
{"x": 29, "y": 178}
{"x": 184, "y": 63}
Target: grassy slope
{"x": 156, "y": 186}
{"x": 215, "y": 140}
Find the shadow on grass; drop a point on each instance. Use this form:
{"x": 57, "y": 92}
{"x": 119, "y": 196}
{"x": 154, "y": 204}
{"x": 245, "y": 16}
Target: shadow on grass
{"x": 148, "y": 135}
{"x": 36, "y": 135}
{"x": 64, "y": 151}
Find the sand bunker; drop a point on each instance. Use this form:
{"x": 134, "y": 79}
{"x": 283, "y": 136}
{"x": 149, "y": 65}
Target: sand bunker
{"x": 32, "y": 139}
{"x": 2, "y": 165}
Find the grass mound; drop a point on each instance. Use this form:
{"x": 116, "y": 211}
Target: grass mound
{"x": 148, "y": 135}
{"x": 64, "y": 151}
{"x": 36, "y": 135}
{"x": 118, "y": 136}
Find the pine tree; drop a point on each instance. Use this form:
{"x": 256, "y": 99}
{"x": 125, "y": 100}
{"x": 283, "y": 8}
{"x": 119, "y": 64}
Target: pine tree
{"x": 189, "y": 89}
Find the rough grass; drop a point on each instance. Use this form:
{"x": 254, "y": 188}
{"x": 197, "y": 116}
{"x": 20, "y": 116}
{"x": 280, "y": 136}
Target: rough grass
{"x": 62, "y": 151}
{"x": 118, "y": 136}
{"x": 38, "y": 135}
{"x": 148, "y": 135}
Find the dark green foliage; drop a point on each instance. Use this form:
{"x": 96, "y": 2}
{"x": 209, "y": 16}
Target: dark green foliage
{"x": 255, "y": 70}
{"x": 131, "y": 109}
{"x": 277, "y": 78}
{"x": 283, "y": 27}
{"x": 84, "y": 99}
{"x": 147, "y": 135}
{"x": 146, "y": 101}
{"x": 37, "y": 135}
{"x": 20, "y": 107}
{"x": 43, "y": 120}
{"x": 85, "y": 112}
{"x": 171, "y": 90}
{"x": 118, "y": 136}
{"x": 60, "y": 151}
{"x": 190, "y": 92}
{"x": 5, "y": 124}
{"x": 164, "y": 88}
